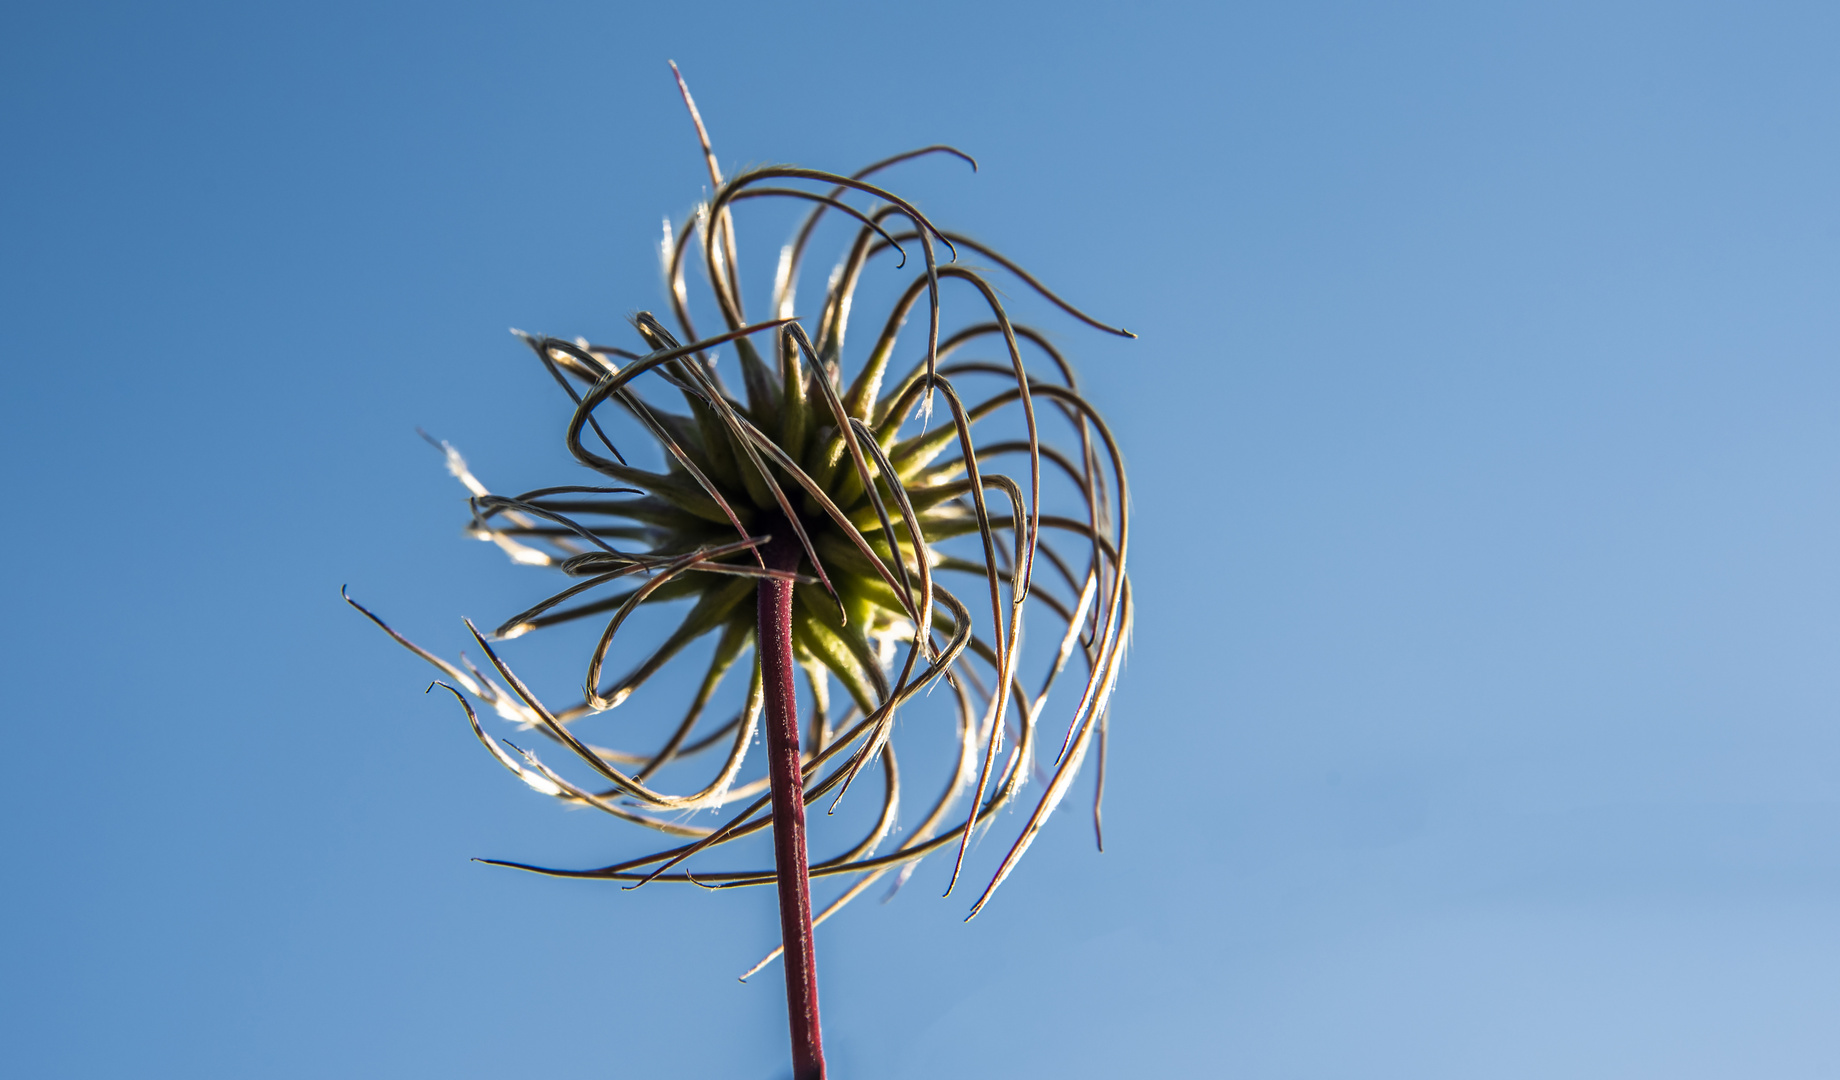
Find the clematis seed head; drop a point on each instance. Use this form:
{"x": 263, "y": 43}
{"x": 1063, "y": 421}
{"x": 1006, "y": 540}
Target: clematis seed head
{"x": 949, "y": 489}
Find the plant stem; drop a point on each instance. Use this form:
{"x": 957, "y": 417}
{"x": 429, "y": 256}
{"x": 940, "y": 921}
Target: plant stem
{"x": 774, "y": 633}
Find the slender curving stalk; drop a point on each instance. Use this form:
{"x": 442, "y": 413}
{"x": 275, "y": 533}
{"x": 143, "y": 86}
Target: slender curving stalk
{"x": 888, "y": 549}
{"x": 774, "y": 629}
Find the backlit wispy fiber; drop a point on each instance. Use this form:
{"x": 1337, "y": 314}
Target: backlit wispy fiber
{"x": 929, "y": 552}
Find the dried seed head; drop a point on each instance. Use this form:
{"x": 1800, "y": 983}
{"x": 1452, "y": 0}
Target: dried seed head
{"x": 895, "y": 516}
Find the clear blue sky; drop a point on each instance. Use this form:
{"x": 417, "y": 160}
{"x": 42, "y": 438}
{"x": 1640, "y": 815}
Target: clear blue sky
{"x": 1484, "y": 433}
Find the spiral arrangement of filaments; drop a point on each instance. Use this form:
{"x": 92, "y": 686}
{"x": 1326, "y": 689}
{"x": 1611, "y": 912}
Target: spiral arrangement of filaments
{"x": 923, "y": 561}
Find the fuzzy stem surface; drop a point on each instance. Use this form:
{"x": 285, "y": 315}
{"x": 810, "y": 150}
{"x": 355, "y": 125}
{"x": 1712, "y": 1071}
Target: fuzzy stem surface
{"x": 774, "y": 637}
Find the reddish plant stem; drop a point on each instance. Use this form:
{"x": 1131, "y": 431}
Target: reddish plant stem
{"x": 774, "y": 634}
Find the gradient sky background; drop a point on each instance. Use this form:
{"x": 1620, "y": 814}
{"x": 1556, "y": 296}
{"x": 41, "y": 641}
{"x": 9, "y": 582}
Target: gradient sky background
{"x": 1486, "y": 450}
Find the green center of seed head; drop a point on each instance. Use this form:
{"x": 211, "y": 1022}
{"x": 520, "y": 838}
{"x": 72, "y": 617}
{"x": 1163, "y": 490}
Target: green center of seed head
{"x": 840, "y": 611}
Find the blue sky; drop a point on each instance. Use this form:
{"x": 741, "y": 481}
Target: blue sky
{"x": 1482, "y": 427}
